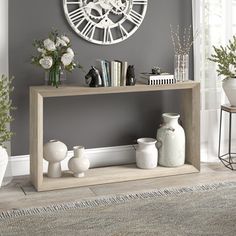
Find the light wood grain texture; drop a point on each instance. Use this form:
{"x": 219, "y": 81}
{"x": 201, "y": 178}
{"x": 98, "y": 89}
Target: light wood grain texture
{"x": 210, "y": 173}
{"x": 63, "y": 91}
{"x": 190, "y": 116}
{"x": 36, "y": 138}
{"x": 12, "y": 197}
{"x": 111, "y": 175}
{"x": 190, "y": 110}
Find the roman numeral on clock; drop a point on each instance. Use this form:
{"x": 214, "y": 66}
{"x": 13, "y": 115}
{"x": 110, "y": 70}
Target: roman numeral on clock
{"x": 140, "y": 2}
{"x": 89, "y": 30}
{"x": 135, "y": 17}
{"x": 107, "y": 35}
{"x": 123, "y": 31}
{"x": 77, "y": 17}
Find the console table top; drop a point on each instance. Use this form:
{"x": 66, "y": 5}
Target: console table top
{"x": 49, "y": 91}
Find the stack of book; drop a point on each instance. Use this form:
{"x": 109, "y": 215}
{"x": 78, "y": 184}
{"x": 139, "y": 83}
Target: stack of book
{"x": 152, "y": 79}
{"x": 113, "y": 73}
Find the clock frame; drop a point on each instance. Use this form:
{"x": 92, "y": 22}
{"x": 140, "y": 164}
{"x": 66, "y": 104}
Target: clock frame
{"x": 105, "y": 22}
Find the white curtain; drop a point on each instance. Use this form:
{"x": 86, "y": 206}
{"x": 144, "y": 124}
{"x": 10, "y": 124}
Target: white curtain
{"x": 216, "y": 23}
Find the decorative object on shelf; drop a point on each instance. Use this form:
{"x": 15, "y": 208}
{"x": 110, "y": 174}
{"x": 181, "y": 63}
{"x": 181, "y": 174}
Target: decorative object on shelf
{"x": 113, "y": 73}
{"x": 79, "y": 163}
{"x": 62, "y": 77}
{"x": 130, "y": 77}
{"x": 182, "y": 46}
{"x": 55, "y": 56}
{"x": 105, "y": 22}
{"x": 181, "y": 64}
{"x": 6, "y": 107}
{"x": 146, "y": 153}
{"x": 54, "y": 152}
{"x": 171, "y": 141}
{"x": 151, "y": 79}
{"x": 93, "y": 78}
{"x": 156, "y": 70}
{"x": 225, "y": 57}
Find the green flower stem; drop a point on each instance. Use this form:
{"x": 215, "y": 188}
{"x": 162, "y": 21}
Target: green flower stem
{"x": 54, "y": 76}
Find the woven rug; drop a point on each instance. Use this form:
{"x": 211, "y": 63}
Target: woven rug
{"x": 199, "y": 210}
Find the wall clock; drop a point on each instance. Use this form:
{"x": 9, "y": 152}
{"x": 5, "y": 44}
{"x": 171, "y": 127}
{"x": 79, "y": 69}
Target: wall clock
{"x": 105, "y": 21}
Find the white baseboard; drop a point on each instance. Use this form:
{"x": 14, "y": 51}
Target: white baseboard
{"x": 19, "y": 165}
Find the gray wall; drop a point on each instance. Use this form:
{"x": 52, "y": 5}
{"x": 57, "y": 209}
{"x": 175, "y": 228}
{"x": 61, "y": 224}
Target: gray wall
{"x": 94, "y": 121}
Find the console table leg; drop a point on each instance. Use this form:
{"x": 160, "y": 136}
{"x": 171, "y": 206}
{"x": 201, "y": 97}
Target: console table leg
{"x": 36, "y": 139}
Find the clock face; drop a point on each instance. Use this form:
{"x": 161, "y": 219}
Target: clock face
{"x": 105, "y": 21}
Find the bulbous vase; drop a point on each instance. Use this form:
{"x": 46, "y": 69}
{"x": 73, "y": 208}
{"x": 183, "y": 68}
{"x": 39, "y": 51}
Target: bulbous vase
{"x": 54, "y": 152}
{"x": 79, "y": 163}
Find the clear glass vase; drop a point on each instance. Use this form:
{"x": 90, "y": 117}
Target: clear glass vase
{"x": 55, "y": 76}
{"x": 181, "y": 67}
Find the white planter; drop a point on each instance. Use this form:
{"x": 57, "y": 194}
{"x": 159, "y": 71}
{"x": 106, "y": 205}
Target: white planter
{"x": 79, "y": 163}
{"x": 54, "y": 152}
{"x": 171, "y": 142}
{"x": 3, "y": 163}
{"x": 229, "y": 86}
{"x": 146, "y": 153}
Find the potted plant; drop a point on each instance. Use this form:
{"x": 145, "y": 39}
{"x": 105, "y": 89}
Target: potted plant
{"x": 225, "y": 57}
{"x": 55, "y": 55}
{"x": 5, "y": 118}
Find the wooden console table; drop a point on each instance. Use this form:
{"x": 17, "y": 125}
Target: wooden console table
{"x": 190, "y": 114}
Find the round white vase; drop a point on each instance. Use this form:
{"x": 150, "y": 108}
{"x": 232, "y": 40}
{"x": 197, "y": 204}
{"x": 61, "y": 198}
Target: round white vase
{"x": 3, "y": 163}
{"x": 171, "y": 142}
{"x": 79, "y": 163}
{"x": 229, "y": 86}
{"x": 146, "y": 153}
{"x": 54, "y": 152}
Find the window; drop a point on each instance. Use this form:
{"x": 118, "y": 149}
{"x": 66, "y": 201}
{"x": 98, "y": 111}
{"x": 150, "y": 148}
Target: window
{"x": 216, "y": 21}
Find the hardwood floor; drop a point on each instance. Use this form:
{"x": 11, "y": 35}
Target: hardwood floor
{"x": 21, "y": 194}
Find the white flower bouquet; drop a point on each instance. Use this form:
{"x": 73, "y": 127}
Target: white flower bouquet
{"x": 54, "y": 55}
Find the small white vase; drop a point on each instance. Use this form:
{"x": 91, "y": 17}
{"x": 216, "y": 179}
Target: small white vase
{"x": 229, "y": 86}
{"x": 79, "y": 163}
{"x": 54, "y": 152}
{"x": 3, "y": 163}
{"x": 146, "y": 153}
{"x": 171, "y": 142}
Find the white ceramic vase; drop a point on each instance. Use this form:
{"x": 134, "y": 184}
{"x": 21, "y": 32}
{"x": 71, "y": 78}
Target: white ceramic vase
{"x": 3, "y": 163}
{"x": 229, "y": 86}
{"x": 146, "y": 153}
{"x": 54, "y": 152}
{"x": 171, "y": 141}
{"x": 79, "y": 163}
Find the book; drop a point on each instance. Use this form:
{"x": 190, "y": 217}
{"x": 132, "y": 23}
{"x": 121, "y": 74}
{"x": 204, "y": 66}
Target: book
{"x": 119, "y": 72}
{"x": 152, "y": 76}
{"x": 107, "y": 65}
{"x": 103, "y": 72}
{"x": 113, "y": 73}
{"x": 151, "y": 79}
{"x": 123, "y": 73}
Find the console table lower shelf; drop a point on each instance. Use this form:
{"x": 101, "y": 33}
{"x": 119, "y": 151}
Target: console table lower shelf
{"x": 112, "y": 174}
